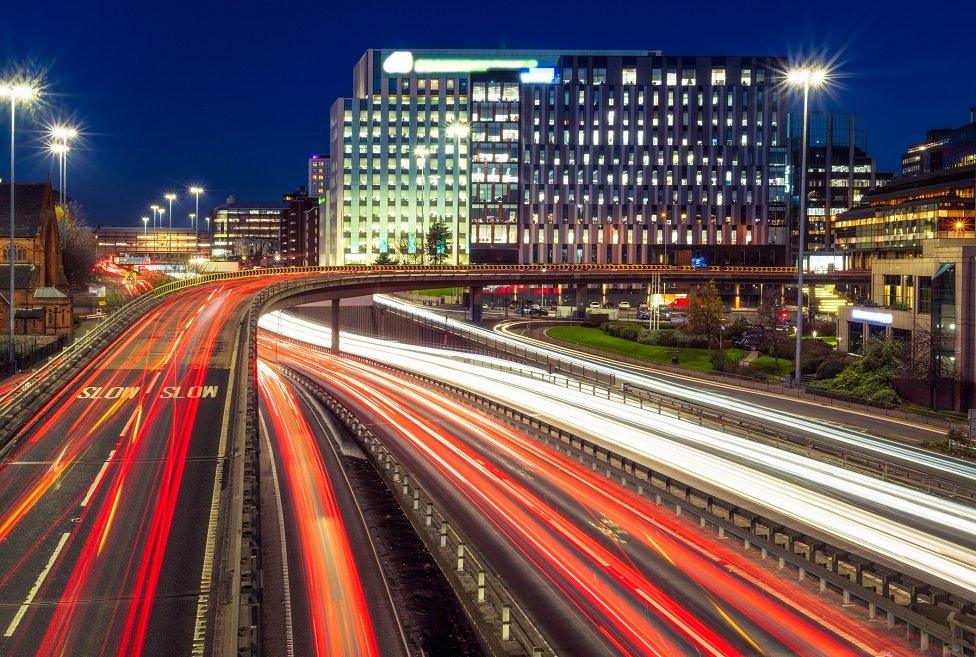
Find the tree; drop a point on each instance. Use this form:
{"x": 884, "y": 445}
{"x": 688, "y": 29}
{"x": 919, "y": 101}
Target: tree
{"x": 437, "y": 241}
{"x": 706, "y": 312}
{"x": 78, "y": 245}
{"x": 253, "y": 249}
{"x": 385, "y": 259}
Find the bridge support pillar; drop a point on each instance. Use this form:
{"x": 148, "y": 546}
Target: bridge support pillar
{"x": 474, "y": 299}
{"x": 335, "y": 326}
{"x": 580, "y": 301}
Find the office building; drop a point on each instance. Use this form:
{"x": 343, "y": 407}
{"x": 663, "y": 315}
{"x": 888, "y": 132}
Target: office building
{"x": 839, "y": 173}
{"x": 300, "y": 229}
{"x": 943, "y": 148}
{"x": 246, "y": 232}
{"x": 318, "y": 174}
{"x": 561, "y": 156}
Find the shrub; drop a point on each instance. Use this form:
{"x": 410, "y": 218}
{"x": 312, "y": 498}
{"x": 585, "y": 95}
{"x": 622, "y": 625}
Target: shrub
{"x": 832, "y": 366}
{"x": 723, "y": 361}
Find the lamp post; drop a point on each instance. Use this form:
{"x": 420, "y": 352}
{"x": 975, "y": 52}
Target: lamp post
{"x": 59, "y": 150}
{"x": 421, "y": 153}
{"x": 159, "y": 228}
{"x": 458, "y": 130}
{"x": 155, "y": 209}
{"x": 61, "y": 135}
{"x": 196, "y": 190}
{"x": 805, "y": 78}
{"x": 145, "y": 226}
{"x": 170, "y": 197}
{"x": 24, "y": 92}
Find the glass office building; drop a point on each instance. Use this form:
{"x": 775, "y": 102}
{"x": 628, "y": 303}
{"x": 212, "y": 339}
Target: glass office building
{"x": 560, "y": 156}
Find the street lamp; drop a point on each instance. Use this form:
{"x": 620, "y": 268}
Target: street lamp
{"x": 60, "y": 151}
{"x": 145, "y": 226}
{"x": 806, "y": 77}
{"x": 421, "y": 153}
{"x": 170, "y": 197}
{"x": 22, "y": 92}
{"x": 196, "y": 190}
{"x": 458, "y": 130}
{"x": 61, "y": 135}
{"x": 155, "y": 209}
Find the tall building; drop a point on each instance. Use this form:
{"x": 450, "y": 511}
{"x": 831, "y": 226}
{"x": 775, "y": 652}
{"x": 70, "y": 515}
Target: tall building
{"x": 318, "y": 174}
{"x": 249, "y": 232}
{"x": 300, "y": 229}
{"x": 839, "y": 172}
{"x": 943, "y": 148}
{"x": 560, "y": 156}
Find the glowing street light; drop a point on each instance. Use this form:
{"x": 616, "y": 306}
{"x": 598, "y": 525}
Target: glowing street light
{"x": 24, "y": 92}
{"x": 60, "y": 136}
{"x": 196, "y": 190}
{"x": 145, "y": 226}
{"x": 457, "y": 130}
{"x": 170, "y": 197}
{"x": 806, "y": 77}
{"x": 155, "y": 209}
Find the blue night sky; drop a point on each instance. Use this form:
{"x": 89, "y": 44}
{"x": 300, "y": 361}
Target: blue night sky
{"x": 235, "y": 95}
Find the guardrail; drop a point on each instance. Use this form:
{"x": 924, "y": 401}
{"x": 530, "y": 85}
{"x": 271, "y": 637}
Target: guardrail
{"x": 504, "y": 626}
{"x": 856, "y": 580}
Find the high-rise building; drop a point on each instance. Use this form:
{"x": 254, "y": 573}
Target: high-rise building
{"x": 839, "y": 172}
{"x": 943, "y": 148}
{"x": 561, "y": 156}
{"x": 300, "y": 229}
{"x": 249, "y": 232}
{"x": 318, "y": 174}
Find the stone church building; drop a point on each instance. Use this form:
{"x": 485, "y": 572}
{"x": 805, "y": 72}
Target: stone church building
{"x": 42, "y": 300}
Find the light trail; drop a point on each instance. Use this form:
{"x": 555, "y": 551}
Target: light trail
{"x": 704, "y": 598}
{"x": 922, "y": 533}
{"x": 879, "y": 448}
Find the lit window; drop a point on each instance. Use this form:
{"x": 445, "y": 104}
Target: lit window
{"x": 629, "y": 76}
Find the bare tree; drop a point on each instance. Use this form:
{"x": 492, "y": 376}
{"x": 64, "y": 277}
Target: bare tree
{"x": 78, "y": 244}
{"x": 254, "y": 249}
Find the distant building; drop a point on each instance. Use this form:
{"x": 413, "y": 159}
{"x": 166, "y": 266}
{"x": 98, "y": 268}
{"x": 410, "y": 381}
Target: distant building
{"x": 839, "y": 173}
{"x": 543, "y": 156}
{"x": 318, "y": 175}
{"x": 894, "y": 220}
{"x": 163, "y": 245}
{"x": 943, "y": 148}
{"x": 248, "y": 232}
{"x": 42, "y": 299}
{"x": 300, "y": 229}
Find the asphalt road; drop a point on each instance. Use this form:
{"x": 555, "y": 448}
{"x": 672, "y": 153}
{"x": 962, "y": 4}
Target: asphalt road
{"x": 601, "y": 571}
{"x": 106, "y": 497}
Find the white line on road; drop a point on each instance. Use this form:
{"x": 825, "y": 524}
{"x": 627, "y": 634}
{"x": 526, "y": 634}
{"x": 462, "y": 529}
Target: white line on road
{"x": 98, "y": 478}
{"x": 37, "y": 587}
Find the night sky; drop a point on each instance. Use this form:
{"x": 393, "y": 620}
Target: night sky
{"x": 235, "y": 95}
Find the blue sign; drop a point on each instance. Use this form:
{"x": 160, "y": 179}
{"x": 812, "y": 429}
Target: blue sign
{"x": 698, "y": 261}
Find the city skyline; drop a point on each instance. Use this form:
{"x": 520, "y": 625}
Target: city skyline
{"x": 260, "y": 130}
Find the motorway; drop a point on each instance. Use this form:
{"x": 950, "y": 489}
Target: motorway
{"x": 333, "y": 606}
{"x": 600, "y": 570}
{"x": 108, "y": 497}
{"x": 732, "y": 401}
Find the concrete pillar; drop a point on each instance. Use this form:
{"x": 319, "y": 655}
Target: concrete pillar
{"x": 474, "y": 298}
{"x": 335, "y": 326}
{"x": 580, "y": 301}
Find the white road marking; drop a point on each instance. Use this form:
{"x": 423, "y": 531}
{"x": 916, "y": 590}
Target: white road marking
{"x": 37, "y": 587}
{"x": 98, "y": 478}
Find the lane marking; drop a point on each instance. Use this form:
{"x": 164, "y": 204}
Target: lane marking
{"x": 289, "y": 637}
{"x": 37, "y": 587}
{"x": 98, "y": 478}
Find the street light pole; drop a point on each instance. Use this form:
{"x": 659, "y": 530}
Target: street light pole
{"x": 806, "y": 78}
{"x": 458, "y": 129}
{"x": 196, "y": 191}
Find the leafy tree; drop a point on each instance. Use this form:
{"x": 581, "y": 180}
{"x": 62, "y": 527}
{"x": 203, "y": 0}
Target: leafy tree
{"x": 78, "y": 244}
{"x": 706, "y": 312}
{"x": 385, "y": 258}
{"x": 437, "y": 241}
{"x": 869, "y": 377}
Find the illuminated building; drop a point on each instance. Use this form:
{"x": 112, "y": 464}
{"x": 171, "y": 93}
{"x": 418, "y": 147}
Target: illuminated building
{"x": 131, "y": 244}
{"x": 249, "y": 232}
{"x": 318, "y": 173}
{"x": 300, "y": 229}
{"x": 943, "y": 148}
{"x": 839, "y": 173}
{"x": 568, "y": 156}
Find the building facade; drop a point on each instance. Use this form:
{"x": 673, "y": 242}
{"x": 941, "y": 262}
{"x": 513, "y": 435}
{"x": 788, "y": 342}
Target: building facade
{"x": 248, "y": 232}
{"x": 42, "y": 299}
{"x": 560, "y": 156}
{"x": 300, "y": 229}
{"x": 122, "y": 243}
{"x": 943, "y": 148}
{"x": 839, "y": 173}
{"x": 318, "y": 174}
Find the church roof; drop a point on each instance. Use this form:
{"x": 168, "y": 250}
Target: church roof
{"x": 30, "y": 199}
{"x": 24, "y": 275}
{"x": 49, "y": 293}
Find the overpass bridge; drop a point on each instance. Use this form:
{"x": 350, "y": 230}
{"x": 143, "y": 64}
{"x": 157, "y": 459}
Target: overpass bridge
{"x": 163, "y": 394}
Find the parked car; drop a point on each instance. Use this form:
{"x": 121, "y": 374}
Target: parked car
{"x": 538, "y": 312}
{"x": 642, "y": 306}
{"x": 594, "y": 304}
{"x": 751, "y": 339}
{"x": 624, "y": 305}
{"x": 679, "y": 318}
{"x": 643, "y": 314}
{"x": 608, "y": 304}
